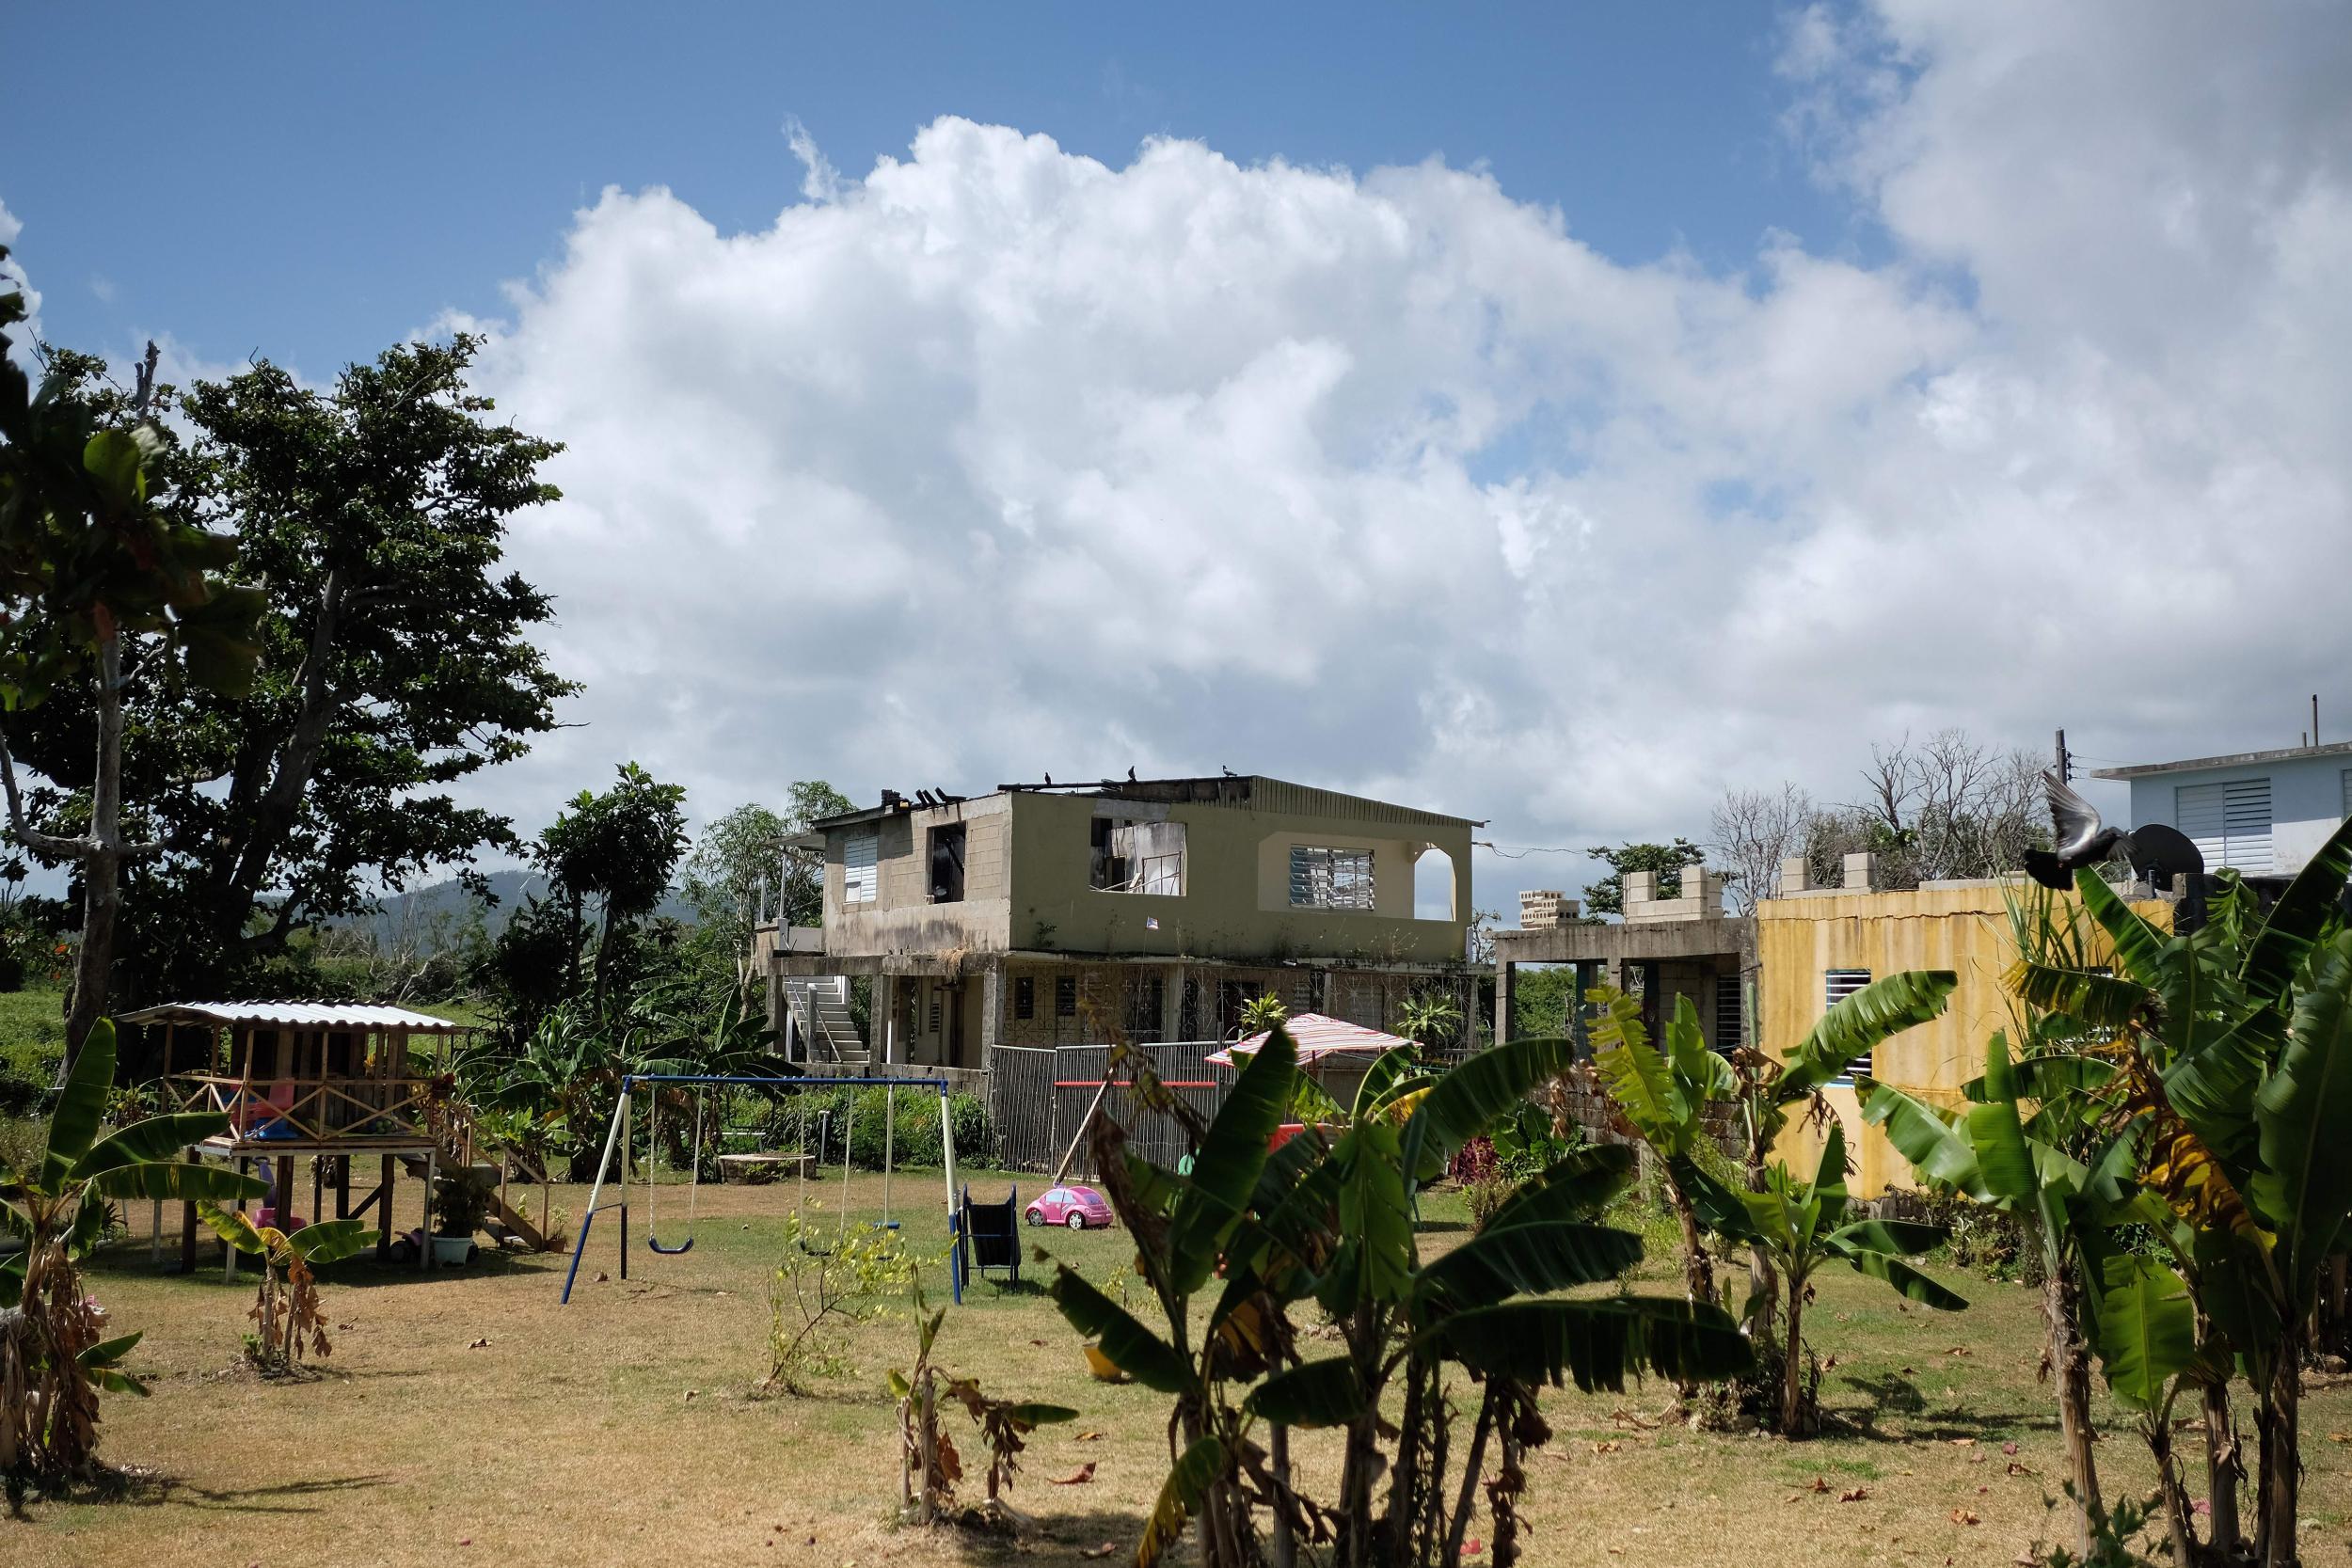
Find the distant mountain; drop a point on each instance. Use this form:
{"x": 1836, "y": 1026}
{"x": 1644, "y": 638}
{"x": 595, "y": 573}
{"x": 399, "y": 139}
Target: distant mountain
{"x": 433, "y": 916}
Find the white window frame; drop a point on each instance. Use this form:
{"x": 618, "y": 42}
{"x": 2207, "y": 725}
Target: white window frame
{"x": 1332, "y": 876}
{"x": 1837, "y": 984}
{"x": 861, "y": 868}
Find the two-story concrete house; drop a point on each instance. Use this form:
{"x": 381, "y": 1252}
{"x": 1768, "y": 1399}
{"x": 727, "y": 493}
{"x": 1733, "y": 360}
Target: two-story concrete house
{"x": 2261, "y": 814}
{"x": 1151, "y": 909}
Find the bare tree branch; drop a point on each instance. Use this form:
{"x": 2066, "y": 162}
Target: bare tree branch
{"x": 40, "y": 843}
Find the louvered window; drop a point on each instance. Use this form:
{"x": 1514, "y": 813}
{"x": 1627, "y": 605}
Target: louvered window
{"x": 1837, "y": 985}
{"x": 2230, "y": 823}
{"x": 1728, "y": 1012}
{"x": 1325, "y": 879}
{"x": 861, "y": 868}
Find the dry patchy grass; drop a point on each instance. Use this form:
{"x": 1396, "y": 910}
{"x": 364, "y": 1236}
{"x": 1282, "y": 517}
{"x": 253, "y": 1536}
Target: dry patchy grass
{"x": 626, "y": 1427}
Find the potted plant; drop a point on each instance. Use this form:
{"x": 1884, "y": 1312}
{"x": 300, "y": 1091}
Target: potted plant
{"x": 461, "y": 1202}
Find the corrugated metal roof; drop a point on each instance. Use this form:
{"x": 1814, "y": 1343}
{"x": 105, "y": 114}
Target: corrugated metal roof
{"x": 297, "y": 1015}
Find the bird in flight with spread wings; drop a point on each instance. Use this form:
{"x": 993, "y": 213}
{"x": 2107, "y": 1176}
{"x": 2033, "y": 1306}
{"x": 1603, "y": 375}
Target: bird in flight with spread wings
{"x": 2080, "y": 839}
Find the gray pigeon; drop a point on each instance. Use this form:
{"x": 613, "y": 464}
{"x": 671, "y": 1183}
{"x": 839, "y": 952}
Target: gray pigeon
{"x": 2155, "y": 851}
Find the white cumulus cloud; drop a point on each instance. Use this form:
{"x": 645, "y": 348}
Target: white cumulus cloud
{"x": 1001, "y": 460}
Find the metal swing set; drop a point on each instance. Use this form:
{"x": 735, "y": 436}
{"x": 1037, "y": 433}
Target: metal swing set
{"x": 617, "y": 1138}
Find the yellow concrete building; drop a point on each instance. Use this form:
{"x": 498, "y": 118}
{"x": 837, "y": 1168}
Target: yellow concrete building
{"x": 1767, "y": 979}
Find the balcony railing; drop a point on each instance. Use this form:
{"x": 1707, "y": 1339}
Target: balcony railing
{"x": 322, "y": 1110}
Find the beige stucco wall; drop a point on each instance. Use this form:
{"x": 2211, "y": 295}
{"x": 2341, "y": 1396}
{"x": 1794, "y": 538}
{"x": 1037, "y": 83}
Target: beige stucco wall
{"x": 1964, "y": 928}
{"x": 1236, "y": 900}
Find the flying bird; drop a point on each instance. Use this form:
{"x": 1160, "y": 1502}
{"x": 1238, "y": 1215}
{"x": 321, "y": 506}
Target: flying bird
{"x": 2156, "y": 852}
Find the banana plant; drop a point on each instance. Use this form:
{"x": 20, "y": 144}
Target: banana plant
{"x": 286, "y": 1320}
{"x": 2010, "y": 1149}
{"x": 1333, "y": 1220}
{"x": 1801, "y": 1226}
{"x": 54, "y": 1356}
{"x": 1663, "y": 1097}
{"x": 2236, "y": 1050}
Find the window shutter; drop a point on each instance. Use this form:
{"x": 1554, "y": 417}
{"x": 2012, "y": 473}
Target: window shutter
{"x": 860, "y": 877}
{"x": 2229, "y": 822}
{"x": 1837, "y": 985}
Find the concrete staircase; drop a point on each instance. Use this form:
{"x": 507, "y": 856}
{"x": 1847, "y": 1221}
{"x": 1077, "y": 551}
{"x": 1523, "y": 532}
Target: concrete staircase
{"x": 820, "y": 1012}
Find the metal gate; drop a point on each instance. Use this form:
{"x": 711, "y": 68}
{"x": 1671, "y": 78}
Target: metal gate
{"x": 1038, "y": 1099}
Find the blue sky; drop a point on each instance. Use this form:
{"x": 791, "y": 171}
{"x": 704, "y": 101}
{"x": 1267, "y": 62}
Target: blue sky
{"x": 310, "y": 182}
{"x": 1598, "y": 408}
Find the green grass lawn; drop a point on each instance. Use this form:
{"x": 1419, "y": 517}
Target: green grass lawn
{"x": 468, "y": 1415}
{"x": 32, "y": 1033}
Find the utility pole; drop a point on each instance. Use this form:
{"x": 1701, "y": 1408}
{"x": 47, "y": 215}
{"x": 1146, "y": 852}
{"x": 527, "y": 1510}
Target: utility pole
{"x": 2065, "y": 769}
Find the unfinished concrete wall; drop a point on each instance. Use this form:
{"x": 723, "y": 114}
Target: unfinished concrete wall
{"x": 1236, "y": 897}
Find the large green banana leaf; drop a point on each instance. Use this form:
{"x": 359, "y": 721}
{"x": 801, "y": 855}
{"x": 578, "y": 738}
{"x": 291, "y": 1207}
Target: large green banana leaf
{"x": 179, "y": 1182}
{"x": 2304, "y": 1189}
{"x": 1576, "y": 1186}
{"x": 1856, "y": 1025}
{"x": 2298, "y": 918}
{"x": 1225, "y": 1171}
{"x": 1131, "y": 1346}
{"x": 1902, "y": 1276}
{"x": 1636, "y": 1076}
{"x": 330, "y": 1241}
{"x": 1529, "y": 1258}
{"x": 156, "y": 1138}
{"x": 1376, "y": 1211}
{"x": 2145, "y": 1328}
{"x": 81, "y": 1106}
{"x": 1324, "y": 1393}
{"x": 1595, "y": 1344}
{"x": 1472, "y": 1097}
{"x": 1942, "y": 1153}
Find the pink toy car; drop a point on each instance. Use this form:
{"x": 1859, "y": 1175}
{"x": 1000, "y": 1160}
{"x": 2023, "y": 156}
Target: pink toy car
{"x": 1079, "y": 1208}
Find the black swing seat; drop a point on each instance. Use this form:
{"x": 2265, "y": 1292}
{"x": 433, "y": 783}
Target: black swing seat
{"x": 990, "y": 1236}
{"x": 686, "y": 1246}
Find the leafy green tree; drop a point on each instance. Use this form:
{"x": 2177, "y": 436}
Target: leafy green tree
{"x": 615, "y": 851}
{"x": 1607, "y": 895}
{"x": 1802, "y": 1226}
{"x": 397, "y": 661}
{"x": 53, "y": 1358}
{"x": 103, "y": 581}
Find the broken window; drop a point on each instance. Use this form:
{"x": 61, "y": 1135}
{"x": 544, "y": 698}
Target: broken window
{"x": 1066, "y": 997}
{"x": 1147, "y": 996}
{"x": 1326, "y": 878}
{"x": 1024, "y": 996}
{"x": 861, "y": 867}
{"x": 948, "y": 863}
{"x": 1137, "y": 857}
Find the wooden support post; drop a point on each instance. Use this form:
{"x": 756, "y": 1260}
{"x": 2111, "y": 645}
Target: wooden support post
{"x": 383, "y": 1213}
{"x": 318, "y": 1188}
{"x": 342, "y": 1186}
{"x": 281, "y": 1194}
{"x": 187, "y": 1227}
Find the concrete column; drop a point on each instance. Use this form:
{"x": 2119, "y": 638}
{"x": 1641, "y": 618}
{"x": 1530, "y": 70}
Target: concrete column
{"x": 1502, "y": 1003}
{"x": 1795, "y": 877}
{"x": 1173, "y": 1004}
{"x": 885, "y": 1044}
{"x": 1860, "y": 871}
{"x": 991, "y": 1010}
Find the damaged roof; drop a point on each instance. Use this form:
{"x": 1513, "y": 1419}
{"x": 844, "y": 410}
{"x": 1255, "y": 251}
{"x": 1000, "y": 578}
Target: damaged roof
{"x": 1239, "y": 791}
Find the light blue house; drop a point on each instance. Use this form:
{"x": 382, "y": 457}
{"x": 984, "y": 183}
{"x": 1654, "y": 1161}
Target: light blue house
{"x": 2261, "y": 813}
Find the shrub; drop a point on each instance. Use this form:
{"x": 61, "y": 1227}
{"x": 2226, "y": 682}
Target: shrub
{"x": 1485, "y": 1194}
{"x": 810, "y": 1118}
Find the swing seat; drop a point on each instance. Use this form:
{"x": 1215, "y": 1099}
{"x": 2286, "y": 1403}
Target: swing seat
{"x": 686, "y": 1246}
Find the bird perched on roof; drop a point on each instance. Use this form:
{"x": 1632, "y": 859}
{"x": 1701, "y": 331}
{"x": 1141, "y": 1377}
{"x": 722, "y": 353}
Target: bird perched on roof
{"x": 1131, "y": 775}
{"x": 1049, "y": 780}
{"x": 2156, "y": 852}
